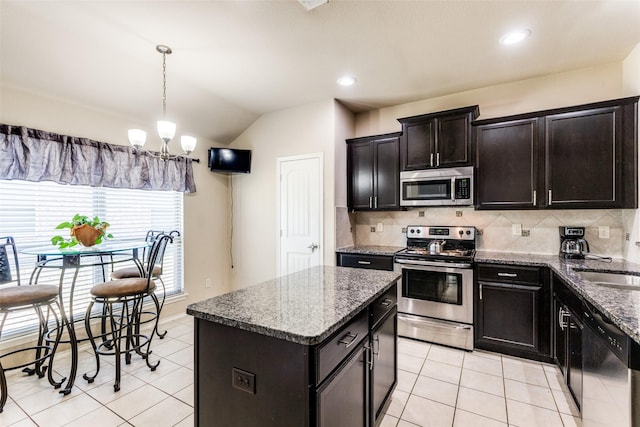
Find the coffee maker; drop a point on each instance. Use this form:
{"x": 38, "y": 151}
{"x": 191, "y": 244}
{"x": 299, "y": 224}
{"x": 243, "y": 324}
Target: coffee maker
{"x": 572, "y": 243}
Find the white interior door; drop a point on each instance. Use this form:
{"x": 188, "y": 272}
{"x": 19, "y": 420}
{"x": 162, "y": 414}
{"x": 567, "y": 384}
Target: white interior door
{"x": 300, "y": 193}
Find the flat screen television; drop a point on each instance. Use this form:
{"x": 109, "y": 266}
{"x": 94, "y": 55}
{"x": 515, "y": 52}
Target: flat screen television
{"x": 229, "y": 160}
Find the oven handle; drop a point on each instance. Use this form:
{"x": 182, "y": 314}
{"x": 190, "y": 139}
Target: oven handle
{"x": 438, "y": 324}
{"x": 433, "y": 263}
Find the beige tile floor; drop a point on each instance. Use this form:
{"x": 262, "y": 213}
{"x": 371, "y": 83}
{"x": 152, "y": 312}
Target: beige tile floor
{"x": 437, "y": 386}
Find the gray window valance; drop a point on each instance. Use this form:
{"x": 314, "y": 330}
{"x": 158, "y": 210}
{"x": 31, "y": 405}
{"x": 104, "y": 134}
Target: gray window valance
{"x": 36, "y": 155}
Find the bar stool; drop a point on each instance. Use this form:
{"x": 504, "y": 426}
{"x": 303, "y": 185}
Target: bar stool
{"x": 15, "y": 297}
{"x": 122, "y": 301}
{"x": 130, "y": 272}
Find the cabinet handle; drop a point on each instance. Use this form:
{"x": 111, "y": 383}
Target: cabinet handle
{"x": 508, "y": 274}
{"x": 550, "y": 197}
{"x": 437, "y": 159}
{"x": 480, "y": 292}
{"x": 376, "y": 353}
{"x": 370, "y": 360}
{"x": 562, "y": 318}
{"x": 431, "y": 160}
{"x": 370, "y": 202}
{"x": 346, "y": 343}
{"x": 375, "y": 202}
{"x": 535, "y": 197}
{"x": 386, "y": 302}
{"x": 364, "y": 262}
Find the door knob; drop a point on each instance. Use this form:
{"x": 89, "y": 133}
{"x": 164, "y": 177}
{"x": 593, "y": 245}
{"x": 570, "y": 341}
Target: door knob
{"x": 313, "y": 247}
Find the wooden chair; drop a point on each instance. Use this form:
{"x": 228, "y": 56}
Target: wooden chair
{"x": 122, "y": 301}
{"x": 16, "y": 297}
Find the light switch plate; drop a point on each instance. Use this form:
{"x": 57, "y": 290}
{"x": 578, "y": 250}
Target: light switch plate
{"x": 516, "y": 229}
{"x": 379, "y": 227}
{"x": 603, "y": 232}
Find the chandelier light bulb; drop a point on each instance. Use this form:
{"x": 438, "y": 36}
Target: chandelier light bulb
{"x": 188, "y": 143}
{"x": 166, "y": 130}
{"x": 137, "y": 137}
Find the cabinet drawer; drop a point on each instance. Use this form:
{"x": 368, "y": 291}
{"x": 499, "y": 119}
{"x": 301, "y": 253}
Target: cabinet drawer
{"x": 383, "y": 304}
{"x": 374, "y": 262}
{"x": 330, "y": 354}
{"x": 509, "y": 274}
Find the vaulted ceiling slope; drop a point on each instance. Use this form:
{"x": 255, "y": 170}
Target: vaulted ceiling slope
{"x": 234, "y": 60}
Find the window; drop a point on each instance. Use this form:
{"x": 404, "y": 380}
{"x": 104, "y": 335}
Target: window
{"x": 30, "y": 211}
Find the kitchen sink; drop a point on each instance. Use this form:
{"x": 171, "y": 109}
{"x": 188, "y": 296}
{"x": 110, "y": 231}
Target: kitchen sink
{"x": 612, "y": 280}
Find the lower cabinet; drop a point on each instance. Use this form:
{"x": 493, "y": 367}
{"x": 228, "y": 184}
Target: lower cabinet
{"x": 513, "y": 308}
{"x": 568, "y": 337}
{"x": 384, "y": 353}
{"x": 343, "y": 399}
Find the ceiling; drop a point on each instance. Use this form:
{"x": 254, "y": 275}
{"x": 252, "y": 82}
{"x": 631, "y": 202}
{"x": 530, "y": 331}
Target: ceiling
{"x": 234, "y": 60}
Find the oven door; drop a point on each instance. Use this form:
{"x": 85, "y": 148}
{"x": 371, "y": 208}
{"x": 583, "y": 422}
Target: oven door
{"x": 439, "y": 292}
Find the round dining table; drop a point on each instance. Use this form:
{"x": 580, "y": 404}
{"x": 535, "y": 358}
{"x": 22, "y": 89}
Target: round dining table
{"x": 68, "y": 262}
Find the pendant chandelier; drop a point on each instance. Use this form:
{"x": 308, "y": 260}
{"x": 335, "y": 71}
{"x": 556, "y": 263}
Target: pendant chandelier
{"x": 166, "y": 129}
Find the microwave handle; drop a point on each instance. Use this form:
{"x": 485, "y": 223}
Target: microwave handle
{"x": 438, "y": 159}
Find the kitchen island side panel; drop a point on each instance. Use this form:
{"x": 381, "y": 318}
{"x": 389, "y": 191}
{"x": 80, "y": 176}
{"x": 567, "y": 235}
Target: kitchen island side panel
{"x": 282, "y": 391}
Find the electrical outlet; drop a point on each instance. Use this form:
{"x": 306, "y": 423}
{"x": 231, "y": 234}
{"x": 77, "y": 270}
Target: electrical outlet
{"x": 458, "y": 213}
{"x": 207, "y": 282}
{"x": 379, "y": 227}
{"x": 421, "y": 214}
{"x": 516, "y": 229}
{"x": 627, "y": 236}
{"x": 526, "y": 233}
{"x": 603, "y": 232}
{"x": 243, "y": 380}
{"x": 373, "y": 229}
{"x": 404, "y": 230}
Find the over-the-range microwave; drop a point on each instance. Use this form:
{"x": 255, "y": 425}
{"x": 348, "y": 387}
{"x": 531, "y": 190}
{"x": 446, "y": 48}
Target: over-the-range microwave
{"x": 437, "y": 187}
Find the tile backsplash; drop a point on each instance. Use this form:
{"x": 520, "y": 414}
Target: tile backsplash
{"x": 539, "y": 228}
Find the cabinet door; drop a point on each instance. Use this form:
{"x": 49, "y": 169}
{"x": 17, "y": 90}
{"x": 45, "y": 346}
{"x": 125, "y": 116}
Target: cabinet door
{"x": 453, "y": 141}
{"x": 508, "y": 315}
{"x": 343, "y": 400}
{"x": 418, "y": 146}
{"x": 386, "y": 173}
{"x": 574, "y": 359}
{"x": 384, "y": 360}
{"x": 560, "y": 320}
{"x": 360, "y": 175}
{"x": 583, "y": 159}
{"x": 507, "y": 165}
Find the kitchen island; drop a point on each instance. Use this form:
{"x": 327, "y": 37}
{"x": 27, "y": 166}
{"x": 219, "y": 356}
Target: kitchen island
{"x": 317, "y": 347}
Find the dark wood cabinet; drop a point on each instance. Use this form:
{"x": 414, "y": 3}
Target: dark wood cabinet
{"x": 384, "y": 351}
{"x": 583, "y": 162}
{"x": 373, "y": 176}
{"x": 343, "y": 399}
{"x": 568, "y": 337}
{"x": 575, "y": 157}
{"x": 441, "y": 139}
{"x": 507, "y": 165}
{"x": 373, "y": 262}
{"x": 513, "y": 310}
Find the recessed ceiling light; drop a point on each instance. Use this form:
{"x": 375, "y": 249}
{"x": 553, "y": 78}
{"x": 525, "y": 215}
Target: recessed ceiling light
{"x": 514, "y": 37}
{"x": 347, "y": 81}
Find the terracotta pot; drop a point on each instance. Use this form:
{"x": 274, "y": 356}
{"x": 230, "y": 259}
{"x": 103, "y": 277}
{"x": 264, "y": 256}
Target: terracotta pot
{"x": 85, "y": 234}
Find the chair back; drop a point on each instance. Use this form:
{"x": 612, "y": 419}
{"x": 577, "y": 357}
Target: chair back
{"x": 7, "y": 244}
{"x": 151, "y": 236}
{"x": 156, "y": 253}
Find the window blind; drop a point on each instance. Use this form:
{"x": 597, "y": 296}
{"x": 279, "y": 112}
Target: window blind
{"x": 30, "y": 211}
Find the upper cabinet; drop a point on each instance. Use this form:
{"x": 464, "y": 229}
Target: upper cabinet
{"x": 441, "y": 139}
{"x": 576, "y": 157}
{"x": 373, "y": 176}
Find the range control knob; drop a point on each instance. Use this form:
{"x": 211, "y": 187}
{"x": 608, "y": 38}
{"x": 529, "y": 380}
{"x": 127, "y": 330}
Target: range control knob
{"x": 411, "y": 230}
{"x": 418, "y": 231}
{"x": 461, "y": 232}
{"x": 468, "y": 232}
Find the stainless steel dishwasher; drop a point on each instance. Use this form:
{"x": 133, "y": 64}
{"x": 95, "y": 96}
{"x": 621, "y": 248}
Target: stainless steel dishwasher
{"x": 611, "y": 385}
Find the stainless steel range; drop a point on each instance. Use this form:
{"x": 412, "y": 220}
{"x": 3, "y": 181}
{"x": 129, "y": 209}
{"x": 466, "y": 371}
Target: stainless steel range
{"x": 435, "y": 299}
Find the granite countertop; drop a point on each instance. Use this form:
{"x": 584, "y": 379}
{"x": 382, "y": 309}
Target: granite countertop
{"x": 621, "y": 306}
{"x": 370, "y": 250}
{"x": 304, "y": 307}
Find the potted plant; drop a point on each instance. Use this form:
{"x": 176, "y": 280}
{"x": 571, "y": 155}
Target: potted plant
{"x": 83, "y": 230}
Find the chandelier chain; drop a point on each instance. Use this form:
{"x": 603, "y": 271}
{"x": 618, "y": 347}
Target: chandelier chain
{"x": 164, "y": 84}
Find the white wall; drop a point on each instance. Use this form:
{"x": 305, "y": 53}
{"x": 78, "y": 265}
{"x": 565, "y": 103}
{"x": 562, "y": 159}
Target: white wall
{"x": 205, "y": 212}
{"x": 306, "y": 129}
